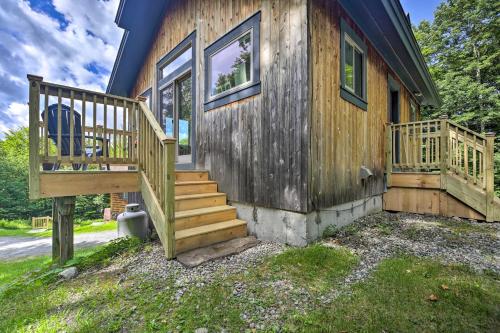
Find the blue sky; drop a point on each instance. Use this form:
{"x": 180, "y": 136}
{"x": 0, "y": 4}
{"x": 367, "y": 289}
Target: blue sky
{"x": 72, "y": 42}
{"x": 420, "y": 9}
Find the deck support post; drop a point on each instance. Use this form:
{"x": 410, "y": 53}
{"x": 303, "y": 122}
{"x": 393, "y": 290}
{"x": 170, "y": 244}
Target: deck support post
{"x": 169, "y": 209}
{"x": 62, "y": 232}
{"x": 34, "y": 136}
{"x": 490, "y": 177}
{"x": 443, "y": 150}
{"x": 388, "y": 154}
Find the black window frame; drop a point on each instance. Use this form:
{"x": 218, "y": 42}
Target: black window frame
{"x": 345, "y": 93}
{"x": 249, "y": 89}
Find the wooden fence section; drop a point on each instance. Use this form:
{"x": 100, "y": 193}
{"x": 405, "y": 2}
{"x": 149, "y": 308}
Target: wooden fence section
{"x": 157, "y": 164}
{"x": 451, "y": 150}
{"x": 43, "y": 222}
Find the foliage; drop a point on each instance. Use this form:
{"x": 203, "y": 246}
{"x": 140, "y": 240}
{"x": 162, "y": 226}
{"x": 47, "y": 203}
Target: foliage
{"x": 14, "y": 166}
{"x": 461, "y": 50}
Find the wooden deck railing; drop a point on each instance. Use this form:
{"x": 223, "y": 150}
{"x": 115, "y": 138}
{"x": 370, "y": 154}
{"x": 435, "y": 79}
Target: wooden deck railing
{"x": 442, "y": 146}
{"x": 92, "y": 128}
{"x": 157, "y": 164}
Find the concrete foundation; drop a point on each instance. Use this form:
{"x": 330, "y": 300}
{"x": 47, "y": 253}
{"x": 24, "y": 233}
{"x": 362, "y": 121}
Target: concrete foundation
{"x": 299, "y": 229}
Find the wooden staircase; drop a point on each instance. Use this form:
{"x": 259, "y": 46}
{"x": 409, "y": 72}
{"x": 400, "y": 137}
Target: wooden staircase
{"x": 202, "y": 216}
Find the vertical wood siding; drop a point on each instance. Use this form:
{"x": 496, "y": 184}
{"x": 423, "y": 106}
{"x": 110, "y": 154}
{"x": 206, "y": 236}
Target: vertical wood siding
{"x": 343, "y": 136}
{"x": 257, "y": 148}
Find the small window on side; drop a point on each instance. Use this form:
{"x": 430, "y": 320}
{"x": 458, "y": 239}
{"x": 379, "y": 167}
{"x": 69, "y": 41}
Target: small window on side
{"x": 353, "y": 53}
{"x": 232, "y": 65}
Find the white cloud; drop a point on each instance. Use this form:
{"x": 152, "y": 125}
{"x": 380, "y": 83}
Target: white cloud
{"x": 33, "y": 42}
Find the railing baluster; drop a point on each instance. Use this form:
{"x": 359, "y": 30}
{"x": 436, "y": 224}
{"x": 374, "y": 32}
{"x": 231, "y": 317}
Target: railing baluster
{"x": 94, "y": 126}
{"x": 84, "y": 144}
{"x": 59, "y": 125}
{"x": 474, "y": 156}
{"x": 114, "y": 128}
{"x": 71, "y": 125}
{"x": 46, "y": 122}
{"x": 124, "y": 138}
{"x": 105, "y": 131}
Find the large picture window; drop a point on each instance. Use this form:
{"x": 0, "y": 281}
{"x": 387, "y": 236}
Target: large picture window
{"x": 233, "y": 65}
{"x": 352, "y": 66}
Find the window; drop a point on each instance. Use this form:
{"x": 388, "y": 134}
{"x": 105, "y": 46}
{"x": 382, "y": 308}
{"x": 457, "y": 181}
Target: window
{"x": 177, "y": 63}
{"x": 233, "y": 65}
{"x": 352, "y": 66}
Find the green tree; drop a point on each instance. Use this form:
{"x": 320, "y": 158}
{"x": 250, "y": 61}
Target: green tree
{"x": 461, "y": 48}
{"x": 14, "y": 199}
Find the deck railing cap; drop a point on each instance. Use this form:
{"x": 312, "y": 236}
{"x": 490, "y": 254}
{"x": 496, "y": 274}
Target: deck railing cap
{"x": 443, "y": 116}
{"x": 32, "y": 77}
{"x": 490, "y": 134}
{"x": 141, "y": 98}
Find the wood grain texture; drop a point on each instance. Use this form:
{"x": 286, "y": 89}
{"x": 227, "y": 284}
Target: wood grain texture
{"x": 256, "y": 148}
{"x": 343, "y": 136}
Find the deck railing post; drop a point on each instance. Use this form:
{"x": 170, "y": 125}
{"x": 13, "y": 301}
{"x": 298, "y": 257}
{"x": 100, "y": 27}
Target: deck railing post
{"x": 34, "y": 135}
{"x": 490, "y": 176}
{"x": 388, "y": 153}
{"x": 169, "y": 195}
{"x": 443, "y": 153}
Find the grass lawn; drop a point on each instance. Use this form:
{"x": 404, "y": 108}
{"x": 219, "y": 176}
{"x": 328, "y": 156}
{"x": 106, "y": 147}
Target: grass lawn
{"x": 394, "y": 299}
{"x": 18, "y": 228}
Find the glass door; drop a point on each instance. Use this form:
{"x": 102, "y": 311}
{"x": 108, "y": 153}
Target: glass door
{"x": 176, "y": 99}
{"x": 177, "y": 114}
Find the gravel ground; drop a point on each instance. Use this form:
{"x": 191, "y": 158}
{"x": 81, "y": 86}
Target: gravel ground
{"x": 448, "y": 240}
{"x": 372, "y": 239}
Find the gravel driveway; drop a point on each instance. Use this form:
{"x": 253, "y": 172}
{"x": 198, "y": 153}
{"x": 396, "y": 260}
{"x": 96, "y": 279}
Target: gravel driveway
{"x": 19, "y": 247}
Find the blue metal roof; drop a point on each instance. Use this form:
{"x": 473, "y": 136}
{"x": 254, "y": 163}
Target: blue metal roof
{"x": 382, "y": 21}
{"x": 141, "y": 20}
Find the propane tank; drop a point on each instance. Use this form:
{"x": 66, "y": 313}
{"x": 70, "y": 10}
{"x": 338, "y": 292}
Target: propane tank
{"x": 133, "y": 222}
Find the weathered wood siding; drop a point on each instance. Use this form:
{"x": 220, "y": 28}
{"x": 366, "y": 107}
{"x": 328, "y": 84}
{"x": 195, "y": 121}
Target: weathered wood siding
{"x": 257, "y": 148}
{"x": 343, "y": 136}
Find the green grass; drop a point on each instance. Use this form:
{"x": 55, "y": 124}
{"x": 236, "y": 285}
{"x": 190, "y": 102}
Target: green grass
{"x": 393, "y": 299}
{"x": 22, "y": 229}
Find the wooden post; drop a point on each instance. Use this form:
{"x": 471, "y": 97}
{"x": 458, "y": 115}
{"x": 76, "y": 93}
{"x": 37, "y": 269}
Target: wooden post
{"x": 34, "y": 136}
{"x": 55, "y": 233}
{"x": 169, "y": 201}
{"x": 490, "y": 176}
{"x": 388, "y": 153}
{"x": 63, "y": 248}
{"x": 443, "y": 154}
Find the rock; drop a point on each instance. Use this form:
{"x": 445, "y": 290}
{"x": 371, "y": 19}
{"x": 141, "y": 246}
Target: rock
{"x": 201, "y": 330}
{"x": 69, "y": 273}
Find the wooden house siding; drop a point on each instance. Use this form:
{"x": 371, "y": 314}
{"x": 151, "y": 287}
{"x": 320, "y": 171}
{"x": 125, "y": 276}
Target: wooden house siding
{"x": 257, "y": 148}
{"x": 343, "y": 136}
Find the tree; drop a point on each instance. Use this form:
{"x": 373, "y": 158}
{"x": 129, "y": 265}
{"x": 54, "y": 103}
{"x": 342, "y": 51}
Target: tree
{"x": 461, "y": 48}
{"x": 14, "y": 199}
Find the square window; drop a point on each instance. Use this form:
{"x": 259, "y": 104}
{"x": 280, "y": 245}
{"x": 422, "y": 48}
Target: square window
{"x": 232, "y": 65}
{"x": 353, "y": 67}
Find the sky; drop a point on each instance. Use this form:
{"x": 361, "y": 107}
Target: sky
{"x": 72, "y": 42}
{"x": 66, "y": 41}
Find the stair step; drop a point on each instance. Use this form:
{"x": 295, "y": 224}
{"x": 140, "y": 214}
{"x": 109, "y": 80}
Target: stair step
{"x": 202, "y": 216}
{"x": 195, "y": 187}
{"x": 192, "y": 238}
{"x": 191, "y": 175}
{"x": 203, "y": 200}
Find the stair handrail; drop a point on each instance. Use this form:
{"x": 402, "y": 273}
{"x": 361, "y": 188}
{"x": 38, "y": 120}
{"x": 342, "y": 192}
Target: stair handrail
{"x": 156, "y": 163}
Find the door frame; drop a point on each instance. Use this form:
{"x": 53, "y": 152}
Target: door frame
{"x": 393, "y": 86}
{"x": 179, "y": 73}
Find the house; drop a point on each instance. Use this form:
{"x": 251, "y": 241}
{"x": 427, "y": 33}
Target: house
{"x": 280, "y": 119}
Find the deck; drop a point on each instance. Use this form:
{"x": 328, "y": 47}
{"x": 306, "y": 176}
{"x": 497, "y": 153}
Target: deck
{"x": 78, "y": 138}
